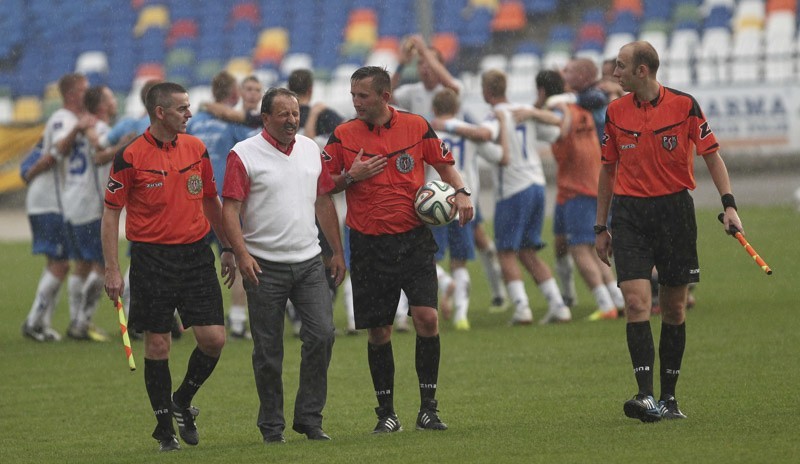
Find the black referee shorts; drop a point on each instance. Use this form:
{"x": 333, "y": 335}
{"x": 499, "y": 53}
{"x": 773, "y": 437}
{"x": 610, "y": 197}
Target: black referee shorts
{"x": 656, "y": 231}
{"x": 169, "y": 277}
{"x": 383, "y": 265}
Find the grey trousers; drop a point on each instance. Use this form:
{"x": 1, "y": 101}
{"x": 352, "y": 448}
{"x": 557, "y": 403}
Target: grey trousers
{"x": 305, "y": 285}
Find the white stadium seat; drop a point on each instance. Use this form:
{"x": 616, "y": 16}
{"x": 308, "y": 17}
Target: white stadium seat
{"x": 294, "y": 61}
{"x": 712, "y": 62}
{"x": 92, "y": 62}
{"x": 494, "y": 61}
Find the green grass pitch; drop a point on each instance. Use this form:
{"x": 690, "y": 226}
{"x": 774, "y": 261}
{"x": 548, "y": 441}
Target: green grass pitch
{"x": 509, "y": 394}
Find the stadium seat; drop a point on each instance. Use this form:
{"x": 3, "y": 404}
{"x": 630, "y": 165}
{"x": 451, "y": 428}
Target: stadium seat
{"x": 747, "y": 55}
{"x": 615, "y": 41}
{"x": 631, "y": 6}
{"x": 749, "y": 13}
{"x": 182, "y": 29}
{"x": 493, "y": 61}
{"x": 540, "y": 7}
{"x": 293, "y": 61}
{"x": 246, "y": 11}
{"x": 510, "y": 17}
{"x": 240, "y": 67}
{"x": 447, "y": 44}
{"x": 657, "y": 38}
{"x": 92, "y": 62}
{"x": 384, "y": 58}
{"x": 152, "y": 16}
{"x": 6, "y": 109}
{"x": 714, "y": 53}
{"x": 28, "y": 109}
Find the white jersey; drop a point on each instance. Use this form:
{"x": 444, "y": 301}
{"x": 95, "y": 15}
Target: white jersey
{"x": 84, "y": 181}
{"x": 465, "y": 153}
{"x": 415, "y": 98}
{"x": 43, "y": 194}
{"x": 525, "y": 166}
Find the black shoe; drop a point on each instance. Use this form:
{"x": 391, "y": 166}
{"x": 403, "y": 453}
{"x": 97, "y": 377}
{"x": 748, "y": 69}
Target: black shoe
{"x": 274, "y": 439}
{"x": 169, "y": 444}
{"x": 669, "y": 409}
{"x": 387, "y": 421}
{"x": 428, "y": 417}
{"x": 642, "y": 407}
{"x": 313, "y": 432}
{"x": 186, "y": 426}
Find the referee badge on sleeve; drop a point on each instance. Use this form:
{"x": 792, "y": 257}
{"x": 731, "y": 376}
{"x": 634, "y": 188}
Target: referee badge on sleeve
{"x": 194, "y": 185}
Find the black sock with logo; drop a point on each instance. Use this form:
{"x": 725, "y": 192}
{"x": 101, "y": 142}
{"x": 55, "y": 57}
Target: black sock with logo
{"x": 428, "y": 352}
{"x": 643, "y": 353}
{"x": 670, "y": 354}
{"x": 200, "y": 368}
{"x": 158, "y": 382}
{"x": 381, "y": 366}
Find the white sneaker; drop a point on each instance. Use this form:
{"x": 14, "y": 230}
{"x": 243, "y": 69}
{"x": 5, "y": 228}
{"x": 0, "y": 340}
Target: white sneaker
{"x": 522, "y": 317}
{"x": 560, "y": 315}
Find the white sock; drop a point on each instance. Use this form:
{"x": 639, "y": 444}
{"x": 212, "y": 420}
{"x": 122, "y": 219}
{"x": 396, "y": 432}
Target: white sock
{"x": 516, "y": 291}
{"x": 47, "y": 317}
{"x": 92, "y": 290}
{"x": 552, "y": 294}
{"x": 603, "y": 298}
{"x": 445, "y": 280}
{"x": 348, "y": 303}
{"x": 461, "y": 294}
{"x": 237, "y": 316}
{"x": 492, "y": 268}
{"x": 564, "y": 267}
{"x": 76, "y": 298}
{"x": 616, "y": 294}
{"x": 46, "y": 293}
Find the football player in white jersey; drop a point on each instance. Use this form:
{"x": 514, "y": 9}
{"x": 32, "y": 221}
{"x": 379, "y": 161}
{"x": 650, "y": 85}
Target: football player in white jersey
{"x": 520, "y": 196}
{"x": 460, "y": 241}
{"x": 85, "y": 172}
{"x": 44, "y": 206}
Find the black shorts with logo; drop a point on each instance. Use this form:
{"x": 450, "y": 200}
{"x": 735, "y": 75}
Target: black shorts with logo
{"x": 382, "y": 265}
{"x": 656, "y": 231}
{"x": 169, "y": 277}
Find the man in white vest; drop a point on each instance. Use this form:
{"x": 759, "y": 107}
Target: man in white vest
{"x": 274, "y": 187}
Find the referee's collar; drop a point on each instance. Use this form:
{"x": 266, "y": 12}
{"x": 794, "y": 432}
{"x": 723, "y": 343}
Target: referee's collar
{"x": 158, "y": 143}
{"x": 654, "y": 102}
{"x": 388, "y": 124}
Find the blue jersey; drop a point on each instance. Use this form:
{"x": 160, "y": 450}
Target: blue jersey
{"x": 127, "y": 126}
{"x": 219, "y": 137}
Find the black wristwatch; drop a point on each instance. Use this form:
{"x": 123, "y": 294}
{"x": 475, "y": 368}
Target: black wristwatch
{"x": 599, "y": 229}
{"x": 465, "y": 190}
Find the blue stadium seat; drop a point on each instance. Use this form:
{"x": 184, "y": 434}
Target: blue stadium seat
{"x": 624, "y": 22}
{"x": 477, "y": 29}
{"x": 657, "y": 9}
{"x": 538, "y": 7}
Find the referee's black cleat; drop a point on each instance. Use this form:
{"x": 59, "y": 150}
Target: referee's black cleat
{"x": 186, "y": 426}
{"x": 669, "y": 409}
{"x": 642, "y": 407}
{"x": 428, "y": 417}
{"x": 387, "y": 421}
{"x": 169, "y": 444}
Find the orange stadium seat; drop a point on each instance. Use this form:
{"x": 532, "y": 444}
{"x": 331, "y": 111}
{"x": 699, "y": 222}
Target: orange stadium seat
{"x": 634, "y": 6}
{"x": 510, "y": 16}
{"x": 782, "y": 5}
{"x": 247, "y": 11}
{"x": 447, "y": 44}
{"x": 146, "y": 71}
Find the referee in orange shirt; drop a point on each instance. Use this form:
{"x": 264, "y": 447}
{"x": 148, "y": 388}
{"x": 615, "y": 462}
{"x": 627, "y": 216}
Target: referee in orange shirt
{"x": 165, "y": 181}
{"x": 380, "y": 157}
{"x": 651, "y": 135}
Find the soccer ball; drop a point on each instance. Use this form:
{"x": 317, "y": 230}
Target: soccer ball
{"x": 435, "y": 203}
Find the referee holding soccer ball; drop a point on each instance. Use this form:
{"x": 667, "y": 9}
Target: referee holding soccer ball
{"x": 648, "y": 165}
{"x": 379, "y": 159}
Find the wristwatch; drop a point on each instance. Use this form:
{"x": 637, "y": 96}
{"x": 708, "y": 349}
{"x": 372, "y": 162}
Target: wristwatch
{"x": 348, "y": 180}
{"x": 465, "y": 190}
{"x": 599, "y": 229}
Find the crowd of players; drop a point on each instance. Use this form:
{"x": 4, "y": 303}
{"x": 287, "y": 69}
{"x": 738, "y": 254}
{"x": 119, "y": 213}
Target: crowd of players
{"x": 68, "y": 170}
